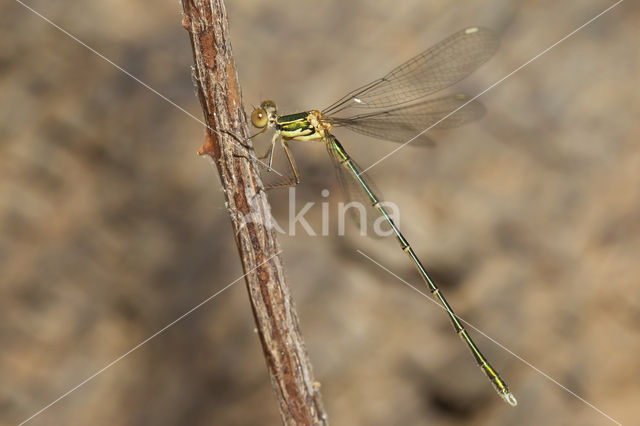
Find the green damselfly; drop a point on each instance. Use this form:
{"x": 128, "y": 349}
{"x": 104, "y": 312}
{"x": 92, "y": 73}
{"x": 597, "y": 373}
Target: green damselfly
{"x": 397, "y": 113}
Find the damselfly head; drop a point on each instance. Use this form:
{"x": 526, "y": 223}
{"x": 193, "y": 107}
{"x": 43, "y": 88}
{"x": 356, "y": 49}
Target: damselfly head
{"x": 265, "y": 114}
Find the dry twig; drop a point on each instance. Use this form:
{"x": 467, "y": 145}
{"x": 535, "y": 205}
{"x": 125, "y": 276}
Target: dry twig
{"x": 217, "y": 86}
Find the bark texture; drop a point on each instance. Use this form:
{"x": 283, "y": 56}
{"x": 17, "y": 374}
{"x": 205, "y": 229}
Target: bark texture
{"x": 217, "y": 86}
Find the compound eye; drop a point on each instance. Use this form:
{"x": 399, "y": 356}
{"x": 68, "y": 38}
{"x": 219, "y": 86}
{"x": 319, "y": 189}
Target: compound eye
{"x": 259, "y": 118}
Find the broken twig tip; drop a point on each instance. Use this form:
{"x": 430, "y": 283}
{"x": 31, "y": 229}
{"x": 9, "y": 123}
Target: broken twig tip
{"x": 207, "y": 147}
{"x": 186, "y": 22}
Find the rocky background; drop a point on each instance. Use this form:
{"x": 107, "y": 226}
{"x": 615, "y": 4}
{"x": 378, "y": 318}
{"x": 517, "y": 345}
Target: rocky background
{"x": 111, "y": 227}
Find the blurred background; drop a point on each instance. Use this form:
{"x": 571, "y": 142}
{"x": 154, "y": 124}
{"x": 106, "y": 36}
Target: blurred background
{"x": 111, "y": 227}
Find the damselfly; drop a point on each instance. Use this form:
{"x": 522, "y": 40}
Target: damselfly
{"x": 397, "y": 113}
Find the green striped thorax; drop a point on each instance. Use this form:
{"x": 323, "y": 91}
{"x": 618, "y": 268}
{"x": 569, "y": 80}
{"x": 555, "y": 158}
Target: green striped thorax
{"x": 302, "y": 126}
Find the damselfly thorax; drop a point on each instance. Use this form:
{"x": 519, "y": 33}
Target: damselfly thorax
{"x": 303, "y": 126}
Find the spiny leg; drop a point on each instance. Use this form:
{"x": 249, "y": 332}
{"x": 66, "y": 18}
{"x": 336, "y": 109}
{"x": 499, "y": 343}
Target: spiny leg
{"x": 272, "y": 150}
{"x": 295, "y": 180}
{"x": 268, "y": 153}
{"x": 292, "y": 162}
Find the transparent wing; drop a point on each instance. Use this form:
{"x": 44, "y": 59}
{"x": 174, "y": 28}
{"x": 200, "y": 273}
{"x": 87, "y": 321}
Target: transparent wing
{"x": 441, "y": 66}
{"x": 404, "y": 123}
